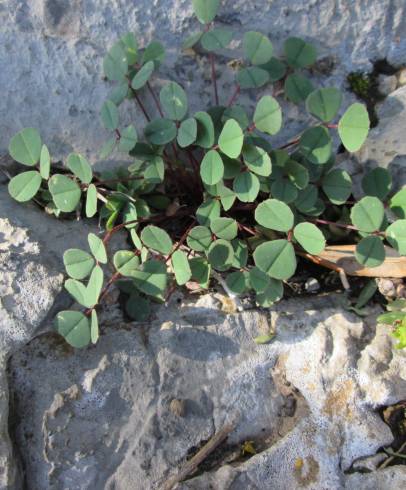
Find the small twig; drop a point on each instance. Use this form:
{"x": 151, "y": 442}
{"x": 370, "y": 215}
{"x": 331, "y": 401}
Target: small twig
{"x": 391, "y": 458}
{"x": 234, "y": 96}
{"x": 213, "y": 78}
{"x": 191, "y": 465}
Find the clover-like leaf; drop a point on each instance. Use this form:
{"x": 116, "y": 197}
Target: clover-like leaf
{"x": 80, "y": 167}
{"x": 212, "y": 167}
{"x": 25, "y": 147}
{"x": 115, "y": 63}
{"x": 126, "y": 262}
{"x": 396, "y": 235}
{"x": 97, "y": 248}
{"x": 246, "y": 186}
{"x": 316, "y": 145}
{"x": 274, "y": 215}
{"x": 297, "y": 88}
{"x": 201, "y": 271}
{"x": 74, "y": 327}
{"x": 151, "y": 278}
{"x": 174, "y": 101}
{"x": 78, "y": 263}
{"x": 181, "y": 267}
{"x": 283, "y": 190}
{"x": 78, "y": 292}
{"x": 65, "y": 192}
{"x": 128, "y": 139}
{"x": 187, "y": 132}
{"x": 224, "y": 228}
{"x": 377, "y": 182}
{"x": 205, "y": 130}
{"x": 157, "y": 239}
{"x": 367, "y": 214}
{"x": 306, "y": 198}
{"x": 267, "y": 298}
{"x": 252, "y": 77}
{"x": 259, "y": 280}
{"x": 297, "y": 174}
{"x": 276, "y": 258}
{"x": 137, "y": 307}
{"x": 220, "y": 254}
{"x": 324, "y": 103}
{"x": 236, "y": 282}
{"x": 231, "y": 139}
{"x": 370, "y": 251}
{"x": 192, "y": 40}
{"x": 208, "y": 211}
{"x": 299, "y": 53}
{"x": 143, "y": 75}
{"x": 257, "y": 48}
{"x": 268, "y": 115}
{"x": 108, "y": 147}
{"x": 205, "y": 10}
{"x": 160, "y": 131}
{"x": 275, "y": 68}
{"x": 44, "y": 162}
{"x": 94, "y": 327}
{"x": 257, "y": 160}
{"x": 130, "y": 46}
{"x": 353, "y": 127}
{"x": 119, "y": 93}
{"x": 337, "y": 185}
{"x": 199, "y": 238}
{"x": 310, "y": 238}
{"x": 155, "y": 171}
{"x": 94, "y": 286}
{"x": 24, "y": 186}
{"x": 398, "y": 203}
{"x": 217, "y": 38}
{"x": 109, "y": 115}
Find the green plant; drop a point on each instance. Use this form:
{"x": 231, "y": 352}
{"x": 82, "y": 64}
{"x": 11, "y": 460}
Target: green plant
{"x": 209, "y": 193}
{"x": 396, "y": 316}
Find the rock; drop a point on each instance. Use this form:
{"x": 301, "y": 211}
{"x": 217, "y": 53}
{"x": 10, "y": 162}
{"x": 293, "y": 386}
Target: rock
{"x": 386, "y": 144}
{"x": 393, "y": 478}
{"x": 402, "y": 77}
{"x": 106, "y": 416}
{"x": 66, "y": 41}
{"x": 312, "y": 285}
{"x": 387, "y": 84}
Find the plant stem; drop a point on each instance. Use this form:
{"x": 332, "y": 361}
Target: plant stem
{"x": 139, "y": 101}
{"x": 181, "y": 241}
{"x": 234, "y": 96}
{"x": 156, "y": 100}
{"x": 213, "y": 79}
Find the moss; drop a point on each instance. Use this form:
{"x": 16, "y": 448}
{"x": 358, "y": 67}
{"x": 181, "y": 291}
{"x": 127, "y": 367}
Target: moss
{"x": 361, "y": 84}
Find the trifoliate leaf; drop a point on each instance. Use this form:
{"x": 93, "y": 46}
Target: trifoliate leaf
{"x": 78, "y": 263}
{"x": 205, "y": 10}
{"x": 174, "y": 101}
{"x": 231, "y": 139}
{"x": 74, "y": 327}
{"x": 252, "y": 77}
{"x": 181, "y": 267}
{"x": 220, "y": 254}
{"x": 396, "y": 235}
{"x": 316, "y": 145}
{"x": 187, "y": 132}
{"x": 297, "y": 88}
{"x": 143, "y": 75}
{"x": 259, "y": 280}
{"x": 151, "y": 278}
{"x": 206, "y": 212}
{"x": 276, "y": 258}
{"x": 128, "y": 139}
{"x": 268, "y": 115}
{"x": 126, "y": 262}
{"x": 257, "y": 48}
{"x": 44, "y": 162}
{"x": 80, "y": 167}
{"x": 236, "y": 282}
{"x": 160, "y": 131}
{"x": 224, "y": 228}
{"x": 217, "y": 38}
{"x": 370, "y": 251}
{"x": 25, "y": 147}
{"x": 324, "y": 103}
{"x": 267, "y": 298}
{"x": 299, "y": 54}
{"x": 337, "y": 185}
{"x": 65, "y": 192}
{"x": 257, "y": 160}
{"x": 246, "y": 186}
{"x": 274, "y": 215}
{"x": 367, "y": 214}
{"x": 157, "y": 239}
{"x": 310, "y": 238}
{"x": 398, "y": 203}
{"x": 115, "y": 63}
{"x": 109, "y": 115}
{"x": 377, "y": 182}
{"x": 205, "y": 130}
{"x": 199, "y": 238}
{"x": 97, "y": 248}
{"x": 212, "y": 168}
{"x": 24, "y": 186}
{"x": 353, "y": 127}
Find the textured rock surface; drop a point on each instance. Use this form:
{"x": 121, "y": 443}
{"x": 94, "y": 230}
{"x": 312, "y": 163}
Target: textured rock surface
{"x": 105, "y": 418}
{"x": 52, "y": 52}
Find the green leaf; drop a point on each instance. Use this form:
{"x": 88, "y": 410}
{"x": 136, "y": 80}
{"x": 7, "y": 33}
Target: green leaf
{"x": 268, "y": 115}
{"x": 324, "y": 103}
{"x": 275, "y": 68}
{"x": 316, "y": 145}
{"x": 174, "y": 101}
{"x": 155, "y": 171}
{"x": 130, "y": 215}
{"x": 65, "y": 192}
{"x": 160, "y": 131}
{"x": 136, "y": 239}
{"x": 238, "y": 113}
{"x": 94, "y": 286}
{"x": 199, "y": 238}
{"x": 259, "y": 280}
{"x": 276, "y": 258}
{"x": 205, "y": 130}
{"x": 353, "y": 127}
{"x": 181, "y": 267}
{"x": 217, "y": 38}
{"x": 231, "y": 167}
{"x": 206, "y": 212}
{"x": 367, "y": 214}
{"x": 377, "y": 183}
{"x": 284, "y": 190}
{"x": 78, "y": 263}
{"x": 272, "y": 293}
{"x": 264, "y": 339}
{"x": 78, "y": 292}
{"x": 252, "y": 77}
{"x": 205, "y": 10}
{"x": 192, "y": 40}
{"x": 299, "y": 54}
{"x": 257, "y": 160}
{"x": 227, "y": 198}
{"x": 236, "y": 282}
{"x": 74, "y": 327}
{"x": 25, "y": 147}
{"x": 126, "y": 262}
{"x": 337, "y": 185}
{"x": 201, "y": 270}
{"x": 157, "y": 239}
{"x": 115, "y": 64}
{"x": 231, "y": 139}
{"x": 297, "y": 88}
{"x": 80, "y": 167}
{"x": 108, "y": 147}
{"x": 212, "y": 168}
{"x": 310, "y": 238}
{"x": 187, "y": 132}
{"x": 97, "y": 248}
{"x": 398, "y": 203}
{"x": 91, "y": 201}
{"x": 257, "y": 48}
{"x": 366, "y": 293}
{"x": 109, "y": 115}
{"x": 143, "y": 75}
{"x": 138, "y": 308}
{"x": 130, "y": 47}
{"x": 24, "y": 186}
{"x": 119, "y": 93}
{"x": 220, "y": 254}
{"x": 306, "y": 198}
{"x": 396, "y": 235}
{"x": 128, "y": 139}
{"x": 370, "y": 251}
{"x": 297, "y": 174}
{"x": 274, "y": 215}
{"x": 225, "y": 228}
{"x": 152, "y": 278}
{"x": 246, "y": 186}
{"x": 44, "y": 162}
{"x": 391, "y": 317}
{"x": 94, "y": 327}
{"x": 154, "y": 52}
{"x": 240, "y": 257}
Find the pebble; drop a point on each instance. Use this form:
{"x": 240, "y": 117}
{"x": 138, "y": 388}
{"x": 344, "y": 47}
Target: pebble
{"x": 387, "y": 84}
{"x": 312, "y": 285}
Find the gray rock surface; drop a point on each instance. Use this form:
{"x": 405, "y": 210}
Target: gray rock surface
{"x": 126, "y": 413}
{"x": 51, "y": 53}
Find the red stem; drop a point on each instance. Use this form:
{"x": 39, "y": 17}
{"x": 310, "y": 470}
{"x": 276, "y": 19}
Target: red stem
{"x": 234, "y": 96}
{"x": 156, "y": 100}
{"x": 181, "y": 241}
{"x": 139, "y": 101}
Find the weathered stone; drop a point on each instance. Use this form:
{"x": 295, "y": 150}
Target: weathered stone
{"x": 393, "y": 478}
{"x": 387, "y": 84}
